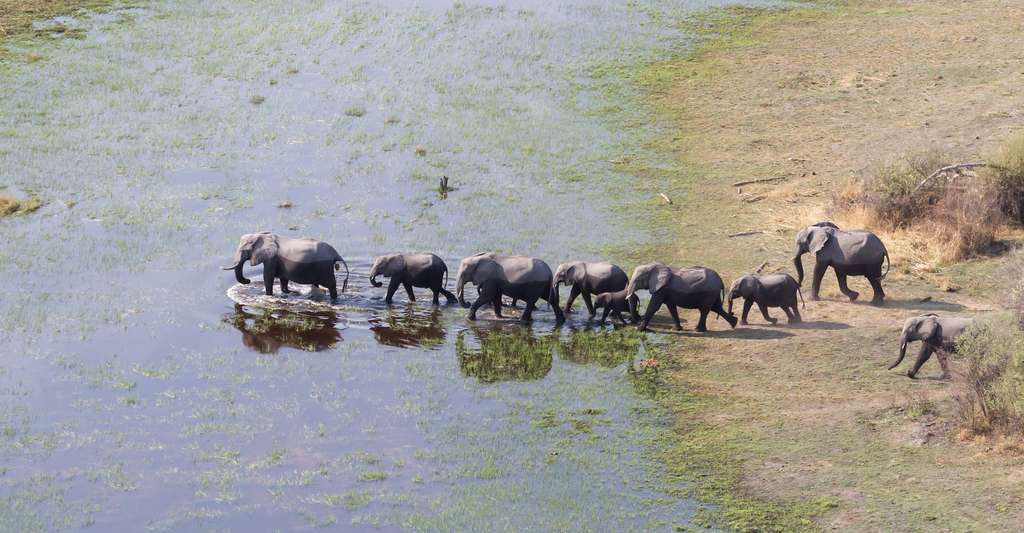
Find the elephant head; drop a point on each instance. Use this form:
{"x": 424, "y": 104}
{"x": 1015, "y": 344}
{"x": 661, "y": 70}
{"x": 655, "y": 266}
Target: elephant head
{"x": 388, "y": 266}
{"x": 257, "y": 247}
{"x": 653, "y": 277}
{"x": 746, "y": 287}
{"x": 570, "y": 273}
{"x": 811, "y": 239}
{"x": 924, "y": 328}
{"x": 476, "y": 269}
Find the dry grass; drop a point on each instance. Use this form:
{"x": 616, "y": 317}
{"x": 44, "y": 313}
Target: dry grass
{"x": 10, "y": 205}
{"x": 952, "y": 219}
{"x": 991, "y": 402}
{"x": 1007, "y": 176}
{"x": 17, "y": 16}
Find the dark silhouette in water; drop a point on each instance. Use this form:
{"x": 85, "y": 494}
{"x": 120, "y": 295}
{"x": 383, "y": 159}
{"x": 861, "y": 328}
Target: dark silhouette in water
{"x": 413, "y": 327}
{"x": 267, "y": 331}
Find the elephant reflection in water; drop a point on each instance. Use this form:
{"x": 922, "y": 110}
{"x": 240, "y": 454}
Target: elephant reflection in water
{"x": 267, "y": 331}
{"x": 415, "y": 326}
{"x": 504, "y": 355}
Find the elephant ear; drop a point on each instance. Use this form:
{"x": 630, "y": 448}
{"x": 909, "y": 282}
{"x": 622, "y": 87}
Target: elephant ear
{"x": 819, "y": 238}
{"x": 660, "y": 279}
{"x": 264, "y": 250}
{"x": 928, "y": 328}
{"x": 394, "y": 266}
{"x": 485, "y": 271}
{"x": 749, "y": 286}
{"x": 576, "y": 273}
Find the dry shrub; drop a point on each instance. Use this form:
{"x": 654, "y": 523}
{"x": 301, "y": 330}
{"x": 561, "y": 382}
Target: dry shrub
{"x": 956, "y": 218}
{"x": 1006, "y": 176}
{"x": 992, "y": 398}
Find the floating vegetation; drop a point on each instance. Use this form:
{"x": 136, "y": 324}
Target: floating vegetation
{"x": 257, "y": 99}
{"x": 10, "y": 205}
{"x": 502, "y": 356}
{"x": 356, "y": 111}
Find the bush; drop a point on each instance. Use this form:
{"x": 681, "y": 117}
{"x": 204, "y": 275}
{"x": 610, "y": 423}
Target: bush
{"x": 958, "y": 217}
{"x": 992, "y": 400}
{"x": 1006, "y": 176}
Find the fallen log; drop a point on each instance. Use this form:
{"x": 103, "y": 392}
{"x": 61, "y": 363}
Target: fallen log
{"x": 746, "y": 233}
{"x": 758, "y": 180}
{"x": 950, "y": 168}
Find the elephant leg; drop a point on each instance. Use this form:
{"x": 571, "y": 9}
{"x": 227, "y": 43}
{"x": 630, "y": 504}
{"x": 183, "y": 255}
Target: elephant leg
{"x": 551, "y": 297}
{"x": 721, "y": 312}
{"x": 764, "y": 312}
{"x": 437, "y": 294}
{"x": 922, "y": 356}
{"x": 392, "y": 287}
{"x": 618, "y": 315}
{"x": 841, "y": 278}
{"x": 747, "y": 304}
{"x": 702, "y": 324}
{"x": 332, "y": 286}
{"x": 497, "y": 305}
{"x": 451, "y": 297}
{"x": 590, "y": 305}
{"x": 819, "y": 273}
{"x": 675, "y": 315}
{"x": 268, "y": 280}
{"x": 604, "y": 314}
{"x": 943, "y": 357}
{"x": 573, "y": 293}
{"x": 284, "y": 284}
{"x": 876, "y": 286}
{"x": 795, "y": 317}
{"x": 408, "y": 291}
{"x": 789, "y": 314}
{"x": 531, "y": 304}
{"x": 652, "y": 307}
{"x": 488, "y": 293}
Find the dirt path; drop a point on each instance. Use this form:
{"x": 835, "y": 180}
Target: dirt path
{"x": 815, "y": 423}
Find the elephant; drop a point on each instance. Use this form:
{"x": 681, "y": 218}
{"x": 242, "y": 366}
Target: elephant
{"x": 616, "y": 303}
{"x": 520, "y": 277}
{"x": 587, "y": 279}
{"x": 767, "y": 290}
{"x": 849, "y": 253}
{"x": 426, "y": 271}
{"x": 690, "y": 288}
{"x": 937, "y": 335}
{"x": 305, "y": 261}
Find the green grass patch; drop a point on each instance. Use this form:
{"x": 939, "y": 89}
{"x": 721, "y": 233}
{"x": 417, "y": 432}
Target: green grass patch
{"x": 10, "y": 205}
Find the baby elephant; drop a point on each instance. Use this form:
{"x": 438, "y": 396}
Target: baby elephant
{"x": 937, "y": 335}
{"x": 767, "y": 290}
{"x": 616, "y": 303}
{"x": 426, "y": 271}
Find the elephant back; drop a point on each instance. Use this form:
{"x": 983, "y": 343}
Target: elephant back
{"x": 524, "y": 269}
{"x": 307, "y": 250}
{"x": 860, "y": 247}
{"x": 698, "y": 279}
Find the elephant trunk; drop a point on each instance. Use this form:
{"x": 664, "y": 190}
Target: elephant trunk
{"x": 903, "y": 352}
{"x": 632, "y": 287}
{"x": 238, "y": 273}
{"x": 633, "y": 303}
{"x": 460, "y": 284}
{"x": 374, "y": 272}
{"x": 799, "y": 265}
{"x": 732, "y": 296}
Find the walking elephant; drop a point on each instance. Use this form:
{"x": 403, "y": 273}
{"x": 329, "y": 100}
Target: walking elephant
{"x": 767, "y": 290}
{"x": 690, "y": 288}
{"x": 520, "y": 277}
{"x": 937, "y": 335}
{"x": 616, "y": 303}
{"x": 426, "y": 271}
{"x": 588, "y": 279}
{"x": 305, "y": 261}
{"x": 849, "y": 253}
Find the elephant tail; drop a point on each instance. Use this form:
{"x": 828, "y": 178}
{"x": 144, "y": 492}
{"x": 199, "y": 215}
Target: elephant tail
{"x": 445, "y": 276}
{"x": 344, "y": 284}
{"x": 887, "y": 264}
{"x": 801, "y": 293}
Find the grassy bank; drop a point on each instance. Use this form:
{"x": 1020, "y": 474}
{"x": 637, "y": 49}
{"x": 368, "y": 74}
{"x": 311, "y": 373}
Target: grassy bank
{"x": 803, "y": 428}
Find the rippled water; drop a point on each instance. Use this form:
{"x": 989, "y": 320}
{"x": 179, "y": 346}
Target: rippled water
{"x": 135, "y": 393}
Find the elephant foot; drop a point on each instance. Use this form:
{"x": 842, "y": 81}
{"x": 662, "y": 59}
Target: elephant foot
{"x": 911, "y": 375}
{"x": 878, "y": 302}
{"x": 743, "y": 323}
{"x": 853, "y": 296}
{"x": 677, "y": 328}
{"x": 773, "y": 321}
{"x": 471, "y": 318}
{"x": 815, "y": 298}
{"x": 731, "y": 320}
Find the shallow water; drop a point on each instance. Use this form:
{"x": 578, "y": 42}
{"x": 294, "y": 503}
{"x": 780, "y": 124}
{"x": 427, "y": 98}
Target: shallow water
{"x": 136, "y": 393}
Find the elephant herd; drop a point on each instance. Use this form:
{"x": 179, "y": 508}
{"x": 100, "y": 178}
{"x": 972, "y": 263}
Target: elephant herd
{"x": 603, "y": 285}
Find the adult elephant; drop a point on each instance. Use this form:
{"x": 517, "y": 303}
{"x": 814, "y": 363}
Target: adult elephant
{"x": 587, "y": 279}
{"x": 305, "y": 261}
{"x": 520, "y": 277}
{"x": 426, "y": 271}
{"x": 690, "y": 288}
{"x": 849, "y": 253}
{"x": 937, "y": 335}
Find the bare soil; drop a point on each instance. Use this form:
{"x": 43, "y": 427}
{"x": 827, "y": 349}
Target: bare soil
{"x": 818, "y": 96}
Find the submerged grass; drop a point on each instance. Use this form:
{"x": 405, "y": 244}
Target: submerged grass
{"x": 10, "y": 205}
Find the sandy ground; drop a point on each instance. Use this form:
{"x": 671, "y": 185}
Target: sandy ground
{"x": 819, "y": 98}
